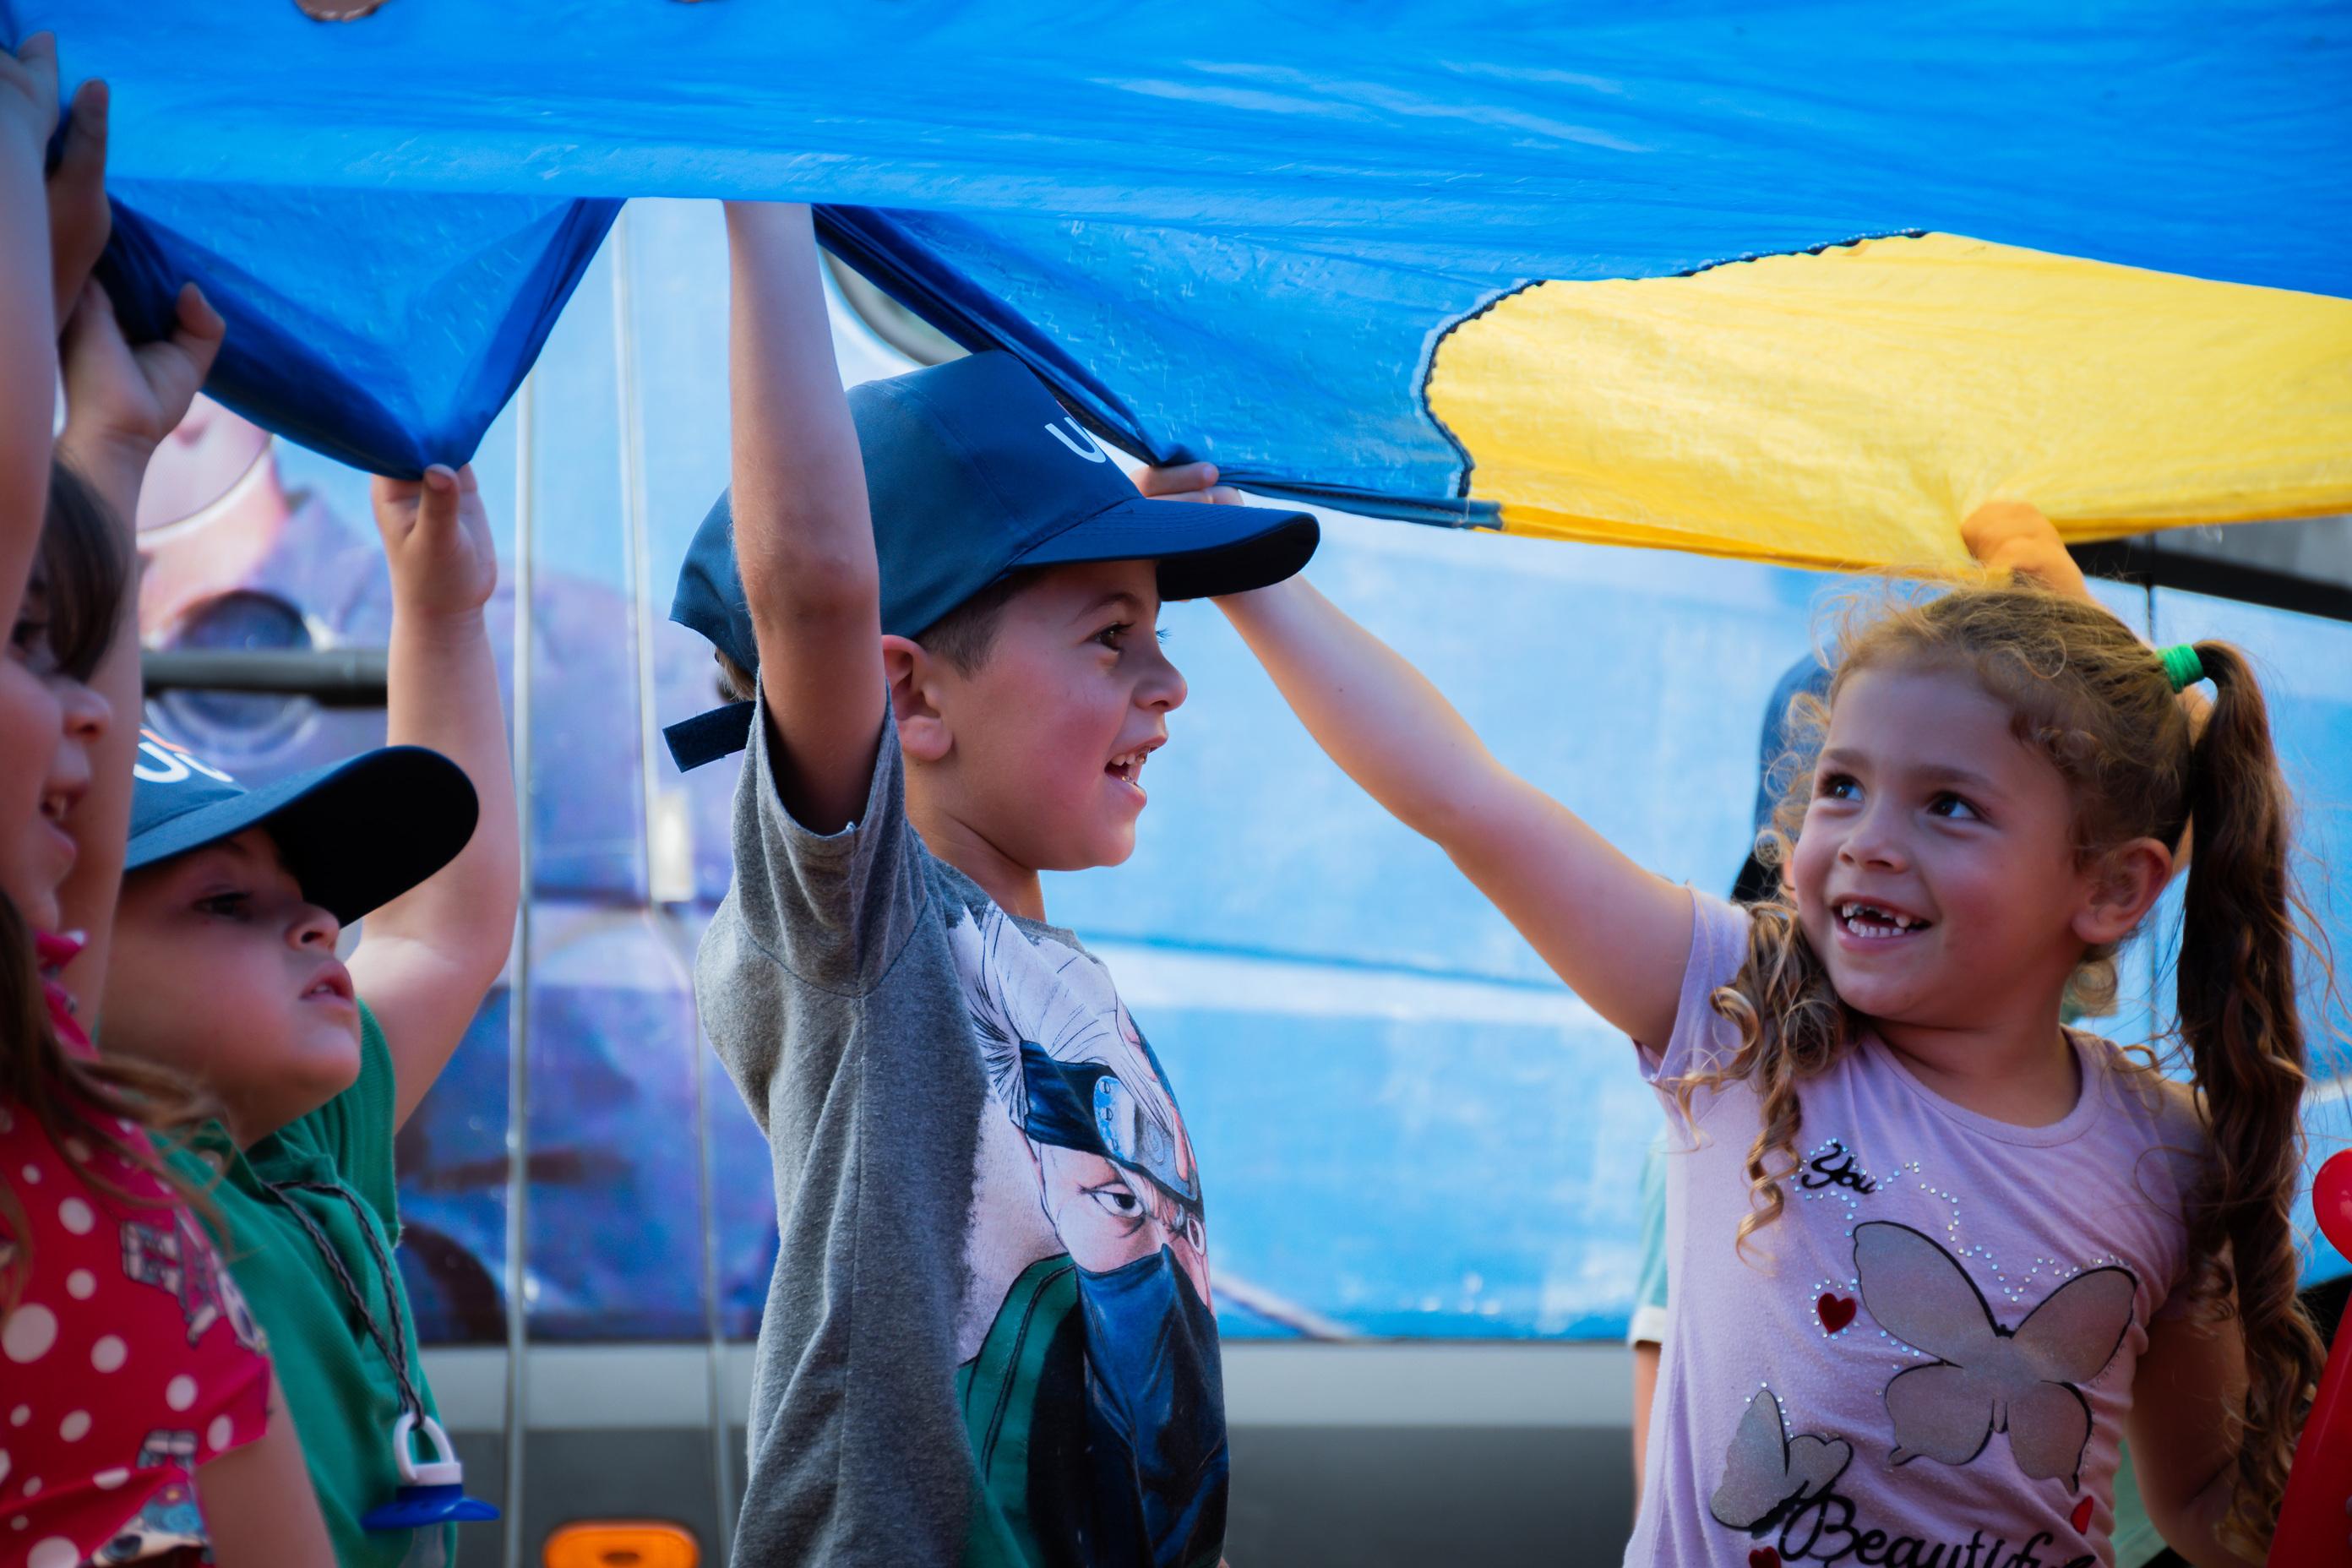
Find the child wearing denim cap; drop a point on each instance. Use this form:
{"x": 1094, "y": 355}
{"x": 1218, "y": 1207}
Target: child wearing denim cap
{"x": 220, "y": 936}
{"x": 989, "y": 1336}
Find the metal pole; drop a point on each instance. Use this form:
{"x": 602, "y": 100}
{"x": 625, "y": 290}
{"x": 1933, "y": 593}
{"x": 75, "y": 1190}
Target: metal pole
{"x": 633, "y": 522}
{"x": 665, "y": 817}
{"x": 518, "y": 1260}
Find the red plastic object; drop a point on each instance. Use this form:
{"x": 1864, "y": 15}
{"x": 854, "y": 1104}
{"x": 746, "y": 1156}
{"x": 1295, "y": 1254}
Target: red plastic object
{"x": 2314, "y": 1530}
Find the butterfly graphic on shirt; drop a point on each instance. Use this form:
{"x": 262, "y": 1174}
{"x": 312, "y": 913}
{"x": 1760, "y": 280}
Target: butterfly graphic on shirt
{"x": 1987, "y": 1377}
{"x": 1766, "y": 1472}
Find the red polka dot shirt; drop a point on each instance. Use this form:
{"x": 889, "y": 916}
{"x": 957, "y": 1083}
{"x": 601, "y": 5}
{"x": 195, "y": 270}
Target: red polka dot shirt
{"x": 127, "y": 1358}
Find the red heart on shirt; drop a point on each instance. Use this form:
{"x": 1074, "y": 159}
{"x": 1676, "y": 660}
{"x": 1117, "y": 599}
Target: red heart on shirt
{"x": 2082, "y": 1515}
{"x": 1836, "y": 1311}
{"x": 1764, "y": 1557}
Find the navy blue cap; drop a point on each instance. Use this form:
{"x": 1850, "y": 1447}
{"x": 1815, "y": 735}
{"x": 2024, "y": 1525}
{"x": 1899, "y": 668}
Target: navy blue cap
{"x": 972, "y": 471}
{"x": 355, "y": 834}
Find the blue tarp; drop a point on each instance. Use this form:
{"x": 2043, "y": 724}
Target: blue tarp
{"x": 1223, "y": 229}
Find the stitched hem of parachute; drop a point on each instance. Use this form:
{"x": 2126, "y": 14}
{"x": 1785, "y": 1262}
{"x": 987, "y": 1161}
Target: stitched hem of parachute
{"x": 1824, "y": 248}
{"x": 1435, "y": 341}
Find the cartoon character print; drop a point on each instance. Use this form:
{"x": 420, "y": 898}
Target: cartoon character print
{"x": 1082, "y": 1123}
{"x": 171, "y": 1519}
{"x": 1986, "y": 1377}
{"x": 1116, "y": 1178}
{"x": 158, "y": 1254}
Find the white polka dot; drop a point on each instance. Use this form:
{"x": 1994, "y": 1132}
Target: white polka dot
{"x": 81, "y": 1284}
{"x": 180, "y": 1392}
{"x": 33, "y": 1175}
{"x": 110, "y": 1354}
{"x": 33, "y": 1487}
{"x": 56, "y": 1551}
{"x": 3, "y": 1464}
{"x": 107, "y": 1481}
{"x": 75, "y": 1216}
{"x": 78, "y": 1150}
{"x": 75, "y": 1426}
{"x": 31, "y": 1331}
{"x": 18, "y": 1416}
{"x": 19, "y": 1522}
{"x": 218, "y": 1435}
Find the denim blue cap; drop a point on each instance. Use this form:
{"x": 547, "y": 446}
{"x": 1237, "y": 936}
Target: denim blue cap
{"x": 973, "y": 470}
{"x": 355, "y": 834}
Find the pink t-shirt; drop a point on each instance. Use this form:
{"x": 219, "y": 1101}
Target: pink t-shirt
{"x": 1926, "y": 1359}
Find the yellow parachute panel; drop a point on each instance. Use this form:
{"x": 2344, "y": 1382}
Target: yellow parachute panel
{"x": 1849, "y": 407}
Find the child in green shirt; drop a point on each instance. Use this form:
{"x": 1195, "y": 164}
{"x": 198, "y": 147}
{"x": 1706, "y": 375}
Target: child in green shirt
{"x": 216, "y": 936}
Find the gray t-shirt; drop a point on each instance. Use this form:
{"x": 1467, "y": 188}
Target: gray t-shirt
{"x": 988, "y": 1338}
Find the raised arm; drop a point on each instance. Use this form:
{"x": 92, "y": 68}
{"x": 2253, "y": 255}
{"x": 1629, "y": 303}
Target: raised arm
{"x": 1619, "y": 935}
{"x": 2012, "y": 536}
{"x": 426, "y": 959}
{"x": 802, "y": 537}
{"x": 29, "y": 332}
{"x": 121, "y": 402}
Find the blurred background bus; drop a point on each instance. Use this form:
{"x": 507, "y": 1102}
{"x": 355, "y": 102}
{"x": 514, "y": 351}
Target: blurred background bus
{"x": 1424, "y": 1154}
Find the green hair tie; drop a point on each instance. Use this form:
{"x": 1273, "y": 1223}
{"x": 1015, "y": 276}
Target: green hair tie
{"x": 2181, "y": 665}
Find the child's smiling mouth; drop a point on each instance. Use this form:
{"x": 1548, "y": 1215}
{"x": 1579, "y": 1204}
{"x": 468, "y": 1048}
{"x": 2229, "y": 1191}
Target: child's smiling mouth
{"x": 1128, "y": 766}
{"x": 1867, "y": 921}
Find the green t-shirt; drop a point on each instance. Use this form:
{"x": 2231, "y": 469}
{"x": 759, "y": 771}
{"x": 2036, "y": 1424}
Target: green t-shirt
{"x": 2135, "y": 1540}
{"x": 342, "y": 1392}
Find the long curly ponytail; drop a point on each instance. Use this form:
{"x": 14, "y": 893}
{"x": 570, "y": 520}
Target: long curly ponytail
{"x": 2238, "y": 1012}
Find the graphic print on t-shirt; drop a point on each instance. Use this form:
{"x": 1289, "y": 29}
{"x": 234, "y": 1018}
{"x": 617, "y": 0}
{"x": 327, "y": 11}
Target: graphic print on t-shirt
{"x": 160, "y": 1254}
{"x": 170, "y": 1520}
{"x": 1802, "y": 1499}
{"x": 1095, "y": 1374}
{"x": 1987, "y": 1377}
{"x": 1766, "y": 1472}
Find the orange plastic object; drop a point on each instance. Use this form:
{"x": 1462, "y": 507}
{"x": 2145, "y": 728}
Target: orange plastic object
{"x": 2314, "y": 1530}
{"x": 622, "y": 1544}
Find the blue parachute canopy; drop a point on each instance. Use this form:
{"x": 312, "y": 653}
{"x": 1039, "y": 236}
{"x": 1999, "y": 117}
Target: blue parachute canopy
{"x": 1227, "y": 230}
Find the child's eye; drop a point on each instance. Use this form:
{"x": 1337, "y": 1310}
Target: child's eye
{"x": 1952, "y": 806}
{"x": 1837, "y": 786}
{"x": 229, "y": 906}
{"x": 1114, "y": 636}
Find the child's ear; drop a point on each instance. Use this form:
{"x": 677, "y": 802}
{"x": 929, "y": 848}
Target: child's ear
{"x": 914, "y": 679}
{"x": 2125, "y": 884}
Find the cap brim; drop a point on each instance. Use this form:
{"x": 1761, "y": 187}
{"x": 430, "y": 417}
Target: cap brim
{"x": 356, "y": 834}
{"x": 1204, "y": 550}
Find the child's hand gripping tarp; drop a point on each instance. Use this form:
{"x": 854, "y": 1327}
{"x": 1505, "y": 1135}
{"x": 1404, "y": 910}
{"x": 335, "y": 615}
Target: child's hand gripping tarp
{"x": 428, "y": 957}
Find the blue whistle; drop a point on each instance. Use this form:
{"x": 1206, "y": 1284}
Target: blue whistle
{"x": 430, "y": 1493}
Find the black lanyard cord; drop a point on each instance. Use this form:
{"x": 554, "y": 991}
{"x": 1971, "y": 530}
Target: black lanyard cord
{"x": 395, "y": 1349}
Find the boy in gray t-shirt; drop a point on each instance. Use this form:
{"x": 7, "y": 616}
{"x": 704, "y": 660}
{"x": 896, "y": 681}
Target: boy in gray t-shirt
{"x": 988, "y": 1338}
